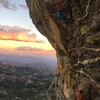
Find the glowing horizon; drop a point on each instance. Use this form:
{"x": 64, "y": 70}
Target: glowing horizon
{"x": 17, "y": 33}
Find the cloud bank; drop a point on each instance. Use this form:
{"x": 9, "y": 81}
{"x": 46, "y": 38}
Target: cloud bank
{"x": 29, "y": 49}
{"x": 35, "y": 50}
{"x": 17, "y": 34}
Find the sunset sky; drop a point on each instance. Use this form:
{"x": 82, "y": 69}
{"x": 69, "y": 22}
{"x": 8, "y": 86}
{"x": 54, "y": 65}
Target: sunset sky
{"x": 17, "y": 33}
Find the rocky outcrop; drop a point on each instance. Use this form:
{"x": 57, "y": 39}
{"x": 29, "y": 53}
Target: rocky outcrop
{"x": 76, "y": 39}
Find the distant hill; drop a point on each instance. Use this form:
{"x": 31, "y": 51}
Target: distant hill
{"x": 28, "y": 59}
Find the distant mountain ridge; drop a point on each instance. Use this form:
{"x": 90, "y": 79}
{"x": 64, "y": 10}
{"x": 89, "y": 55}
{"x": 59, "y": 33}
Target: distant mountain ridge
{"x": 28, "y": 59}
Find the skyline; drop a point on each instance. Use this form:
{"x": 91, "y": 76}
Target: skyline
{"x": 18, "y": 34}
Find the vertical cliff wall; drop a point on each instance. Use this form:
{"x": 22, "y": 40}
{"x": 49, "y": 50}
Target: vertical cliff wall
{"x": 76, "y": 39}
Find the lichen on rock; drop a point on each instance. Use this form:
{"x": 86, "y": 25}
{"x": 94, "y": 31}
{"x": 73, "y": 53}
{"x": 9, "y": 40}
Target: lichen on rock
{"x": 85, "y": 29}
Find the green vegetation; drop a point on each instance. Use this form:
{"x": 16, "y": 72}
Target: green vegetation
{"x": 85, "y": 29}
{"x": 24, "y": 83}
{"x": 88, "y": 40}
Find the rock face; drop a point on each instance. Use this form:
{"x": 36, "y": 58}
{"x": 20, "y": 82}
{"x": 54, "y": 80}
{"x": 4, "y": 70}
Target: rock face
{"x": 76, "y": 39}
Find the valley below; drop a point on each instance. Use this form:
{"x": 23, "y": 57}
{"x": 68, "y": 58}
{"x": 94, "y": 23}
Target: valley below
{"x": 25, "y": 82}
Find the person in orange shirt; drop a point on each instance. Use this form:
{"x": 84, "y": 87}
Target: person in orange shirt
{"x": 80, "y": 95}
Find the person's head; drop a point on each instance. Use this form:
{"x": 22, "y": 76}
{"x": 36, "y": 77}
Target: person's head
{"x": 80, "y": 91}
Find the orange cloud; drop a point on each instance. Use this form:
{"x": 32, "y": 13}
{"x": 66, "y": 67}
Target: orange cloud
{"x": 17, "y": 34}
{"x": 27, "y": 50}
{"x": 35, "y": 50}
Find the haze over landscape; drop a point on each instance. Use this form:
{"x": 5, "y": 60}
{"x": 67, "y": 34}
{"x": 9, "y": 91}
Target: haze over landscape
{"x": 28, "y": 59}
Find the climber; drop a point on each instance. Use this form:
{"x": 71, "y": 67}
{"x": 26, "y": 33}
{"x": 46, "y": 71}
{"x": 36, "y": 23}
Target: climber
{"x": 80, "y": 95}
{"x": 67, "y": 16}
{"x": 59, "y": 13}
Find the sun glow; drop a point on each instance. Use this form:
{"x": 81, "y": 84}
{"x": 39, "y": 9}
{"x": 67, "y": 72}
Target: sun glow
{"x": 18, "y": 34}
{"x": 20, "y": 37}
